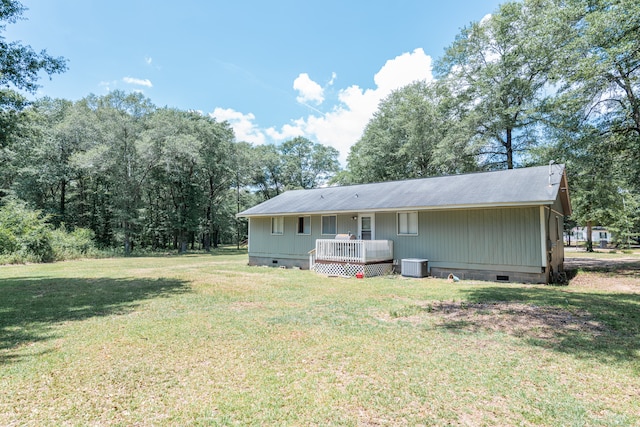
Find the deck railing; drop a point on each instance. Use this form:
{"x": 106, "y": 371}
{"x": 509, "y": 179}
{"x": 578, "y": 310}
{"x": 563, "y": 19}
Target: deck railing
{"x": 354, "y": 251}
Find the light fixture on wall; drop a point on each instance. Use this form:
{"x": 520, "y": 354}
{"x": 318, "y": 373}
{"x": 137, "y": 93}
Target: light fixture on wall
{"x": 354, "y": 218}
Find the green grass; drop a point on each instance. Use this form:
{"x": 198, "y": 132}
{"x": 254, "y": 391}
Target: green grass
{"x": 208, "y": 340}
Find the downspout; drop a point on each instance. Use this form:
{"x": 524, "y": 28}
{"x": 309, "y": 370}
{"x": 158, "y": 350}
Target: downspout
{"x": 544, "y": 242}
{"x": 550, "y": 245}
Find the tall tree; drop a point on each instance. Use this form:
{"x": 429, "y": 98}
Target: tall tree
{"x": 416, "y": 132}
{"x": 19, "y": 69}
{"x": 121, "y": 119}
{"x": 594, "y": 111}
{"x": 307, "y": 165}
{"x": 20, "y": 64}
{"x": 498, "y": 72}
{"x": 598, "y": 72}
{"x": 268, "y": 175}
{"x": 59, "y": 131}
{"x": 219, "y": 159}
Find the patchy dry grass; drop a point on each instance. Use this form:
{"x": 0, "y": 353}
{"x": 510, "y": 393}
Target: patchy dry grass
{"x": 207, "y": 340}
{"x": 513, "y": 318}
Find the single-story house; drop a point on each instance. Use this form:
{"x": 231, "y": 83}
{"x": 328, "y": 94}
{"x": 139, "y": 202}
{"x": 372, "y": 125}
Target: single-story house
{"x": 503, "y": 225}
{"x": 599, "y": 236}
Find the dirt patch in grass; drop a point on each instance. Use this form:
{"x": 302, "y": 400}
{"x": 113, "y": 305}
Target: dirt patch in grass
{"x": 618, "y": 275}
{"x": 599, "y": 264}
{"x": 604, "y": 281}
{"x": 513, "y": 318}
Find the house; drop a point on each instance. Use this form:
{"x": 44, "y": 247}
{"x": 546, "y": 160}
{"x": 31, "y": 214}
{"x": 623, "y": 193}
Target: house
{"x": 503, "y": 225}
{"x": 599, "y": 236}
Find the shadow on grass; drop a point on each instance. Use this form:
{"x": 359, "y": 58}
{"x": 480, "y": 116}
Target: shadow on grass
{"x": 30, "y": 306}
{"x": 225, "y": 250}
{"x": 604, "y": 326}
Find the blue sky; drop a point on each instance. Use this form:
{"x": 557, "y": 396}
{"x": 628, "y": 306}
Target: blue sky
{"x": 274, "y": 69}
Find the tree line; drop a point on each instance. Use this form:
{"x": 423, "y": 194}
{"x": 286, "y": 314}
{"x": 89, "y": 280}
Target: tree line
{"x": 139, "y": 175}
{"x": 537, "y": 81}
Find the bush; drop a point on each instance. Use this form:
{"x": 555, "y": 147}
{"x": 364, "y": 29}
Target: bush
{"x": 24, "y": 234}
{"x": 8, "y": 241}
{"x": 72, "y": 245}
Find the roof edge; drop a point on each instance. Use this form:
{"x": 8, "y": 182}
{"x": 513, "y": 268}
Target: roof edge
{"x": 403, "y": 209}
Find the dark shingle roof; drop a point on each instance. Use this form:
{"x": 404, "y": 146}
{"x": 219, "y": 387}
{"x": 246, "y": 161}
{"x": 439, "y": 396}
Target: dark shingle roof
{"x": 516, "y": 187}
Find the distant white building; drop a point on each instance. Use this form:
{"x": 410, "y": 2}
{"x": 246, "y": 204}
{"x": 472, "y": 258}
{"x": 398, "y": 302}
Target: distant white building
{"x": 599, "y": 236}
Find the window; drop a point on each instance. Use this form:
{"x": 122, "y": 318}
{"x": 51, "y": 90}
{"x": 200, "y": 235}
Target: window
{"x": 558, "y": 234}
{"x": 304, "y": 225}
{"x": 277, "y": 225}
{"x": 329, "y": 224}
{"x": 408, "y": 223}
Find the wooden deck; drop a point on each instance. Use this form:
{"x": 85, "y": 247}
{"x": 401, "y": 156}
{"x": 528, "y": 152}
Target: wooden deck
{"x": 349, "y": 257}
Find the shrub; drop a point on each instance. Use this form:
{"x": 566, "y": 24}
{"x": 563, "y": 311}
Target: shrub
{"x": 24, "y": 233}
{"x": 71, "y": 245}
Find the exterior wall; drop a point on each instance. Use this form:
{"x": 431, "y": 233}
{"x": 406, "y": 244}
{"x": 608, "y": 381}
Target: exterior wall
{"x": 290, "y": 249}
{"x": 499, "y": 239}
{"x": 496, "y": 241}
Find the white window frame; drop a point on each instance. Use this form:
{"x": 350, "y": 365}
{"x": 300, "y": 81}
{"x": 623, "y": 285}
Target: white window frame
{"x": 409, "y": 231}
{"x": 302, "y": 233}
{"x": 322, "y": 225}
{"x": 277, "y": 225}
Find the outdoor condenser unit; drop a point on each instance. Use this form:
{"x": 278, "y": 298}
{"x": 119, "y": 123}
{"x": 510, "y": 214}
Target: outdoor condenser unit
{"x": 414, "y": 267}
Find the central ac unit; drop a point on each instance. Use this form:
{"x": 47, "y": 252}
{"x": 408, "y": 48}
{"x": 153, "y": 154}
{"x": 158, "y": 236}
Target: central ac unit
{"x": 414, "y": 267}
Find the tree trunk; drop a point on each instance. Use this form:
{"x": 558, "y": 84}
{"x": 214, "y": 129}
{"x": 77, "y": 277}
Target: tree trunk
{"x": 183, "y": 241}
{"x": 63, "y": 196}
{"x": 207, "y": 233}
{"x": 127, "y": 240}
{"x": 216, "y": 236}
{"x": 509, "y": 148}
{"x": 589, "y": 241}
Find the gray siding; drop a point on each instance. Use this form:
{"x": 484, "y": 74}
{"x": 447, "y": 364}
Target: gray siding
{"x": 290, "y": 244}
{"x": 505, "y": 239}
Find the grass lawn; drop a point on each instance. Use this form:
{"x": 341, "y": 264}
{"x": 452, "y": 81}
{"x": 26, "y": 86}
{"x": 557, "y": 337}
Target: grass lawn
{"x": 207, "y": 340}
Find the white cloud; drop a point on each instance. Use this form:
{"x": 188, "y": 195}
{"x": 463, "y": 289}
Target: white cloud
{"x": 107, "y": 85}
{"x": 333, "y": 79}
{"x": 138, "y": 82}
{"x": 344, "y": 124}
{"x": 148, "y": 60}
{"x": 308, "y": 90}
{"x": 243, "y": 125}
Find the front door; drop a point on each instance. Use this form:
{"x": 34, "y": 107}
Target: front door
{"x": 366, "y": 225}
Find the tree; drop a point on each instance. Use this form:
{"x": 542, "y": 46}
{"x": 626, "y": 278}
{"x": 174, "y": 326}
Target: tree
{"x": 267, "y": 166}
{"x": 221, "y": 168}
{"x": 19, "y": 68}
{"x": 19, "y": 64}
{"x": 593, "y": 114}
{"x": 307, "y": 165}
{"x": 498, "y": 72}
{"x": 598, "y": 72}
{"x": 416, "y": 132}
{"x": 115, "y": 161}
{"x": 46, "y": 174}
